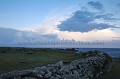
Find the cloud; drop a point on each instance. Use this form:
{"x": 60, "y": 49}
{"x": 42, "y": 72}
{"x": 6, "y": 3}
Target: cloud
{"x": 49, "y": 24}
{"x": 7, "y": 34}
{"x": 83, "y": 21}
{"x": 116, "y": 37}
{"x": 107, "y": 17}
{"x": 105, "y": 34}
{"x": 13, "y": 36}
{"x": 97, "y": 5}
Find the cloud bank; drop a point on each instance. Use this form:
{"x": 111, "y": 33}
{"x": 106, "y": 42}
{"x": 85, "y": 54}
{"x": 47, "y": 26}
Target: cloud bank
{"x": 105, "y": 34}
{"x": 13, "y": 36}
{"x": 83, "y": 21}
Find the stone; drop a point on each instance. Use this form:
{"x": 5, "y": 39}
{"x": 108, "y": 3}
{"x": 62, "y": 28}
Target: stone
{"x": 36, "y": 75}
{"x": 58, "y": 76}
{"x": 29, "y": 78}
{"x": 67, "y": 68}
{"x": 51, "y": 69}
{"x": 15, "y": 74}
{"x": 59, "y": 64}
{"x": 52, "y": 77}
{"x": 75, "y": 72}
{"x": 39, "y": 70}
{"x": 17, "y": 78}
{"x": 48, "y": 75}
{"x": 91, "y": 66}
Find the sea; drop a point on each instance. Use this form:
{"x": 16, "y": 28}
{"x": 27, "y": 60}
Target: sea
{"x": 113, "y": 52}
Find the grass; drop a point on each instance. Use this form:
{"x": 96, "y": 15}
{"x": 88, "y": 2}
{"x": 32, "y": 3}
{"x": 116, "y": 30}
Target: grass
{"x": 25, "y": 58}
{"x": 115, "y": 73}
{"x": 18, "y": 59}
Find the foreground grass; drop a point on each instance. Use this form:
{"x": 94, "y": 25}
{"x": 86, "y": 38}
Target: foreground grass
{"x": 115, "y": 73}
{"x": 21, "y": 58}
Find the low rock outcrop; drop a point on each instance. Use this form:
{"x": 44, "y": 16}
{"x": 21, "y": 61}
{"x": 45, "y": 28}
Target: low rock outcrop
{"x": 91, "y": 65}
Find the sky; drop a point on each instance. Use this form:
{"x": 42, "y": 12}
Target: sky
{"x": 26, "y": 13}
{"x": 81, "y": 20}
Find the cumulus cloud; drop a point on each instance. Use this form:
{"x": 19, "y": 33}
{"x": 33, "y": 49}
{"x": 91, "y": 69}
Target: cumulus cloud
{"x": 97, "y": 5}
{"x": 83, "y": 21}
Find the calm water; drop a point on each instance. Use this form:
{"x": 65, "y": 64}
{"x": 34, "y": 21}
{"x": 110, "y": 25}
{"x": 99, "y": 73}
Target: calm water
{"x": 113, "y": 52}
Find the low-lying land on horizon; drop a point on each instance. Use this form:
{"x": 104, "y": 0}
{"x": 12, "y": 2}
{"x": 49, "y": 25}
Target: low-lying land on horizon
{"x": 25, "y": 58}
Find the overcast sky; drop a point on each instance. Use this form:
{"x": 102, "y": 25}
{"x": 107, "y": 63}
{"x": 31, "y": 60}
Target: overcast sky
{"x": 83, "y": 20}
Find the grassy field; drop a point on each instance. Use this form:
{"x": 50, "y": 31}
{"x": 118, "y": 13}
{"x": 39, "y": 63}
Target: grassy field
{"x": 22, "y": 58}
{"x": 115, "y": 73}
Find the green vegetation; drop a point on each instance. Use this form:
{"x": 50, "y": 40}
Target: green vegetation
{"x": 115, "y": 73}
{"x": 24, "y": 58}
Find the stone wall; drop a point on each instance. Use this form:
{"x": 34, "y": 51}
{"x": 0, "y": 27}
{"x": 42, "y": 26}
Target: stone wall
{"x": 91, "y": 65}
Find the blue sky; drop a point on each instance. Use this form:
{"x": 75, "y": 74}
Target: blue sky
{"x": 84, "y": 20}
{"x": 26, "y": 13}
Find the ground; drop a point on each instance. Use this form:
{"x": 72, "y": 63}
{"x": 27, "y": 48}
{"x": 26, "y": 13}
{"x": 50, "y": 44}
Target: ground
{"x": 115, "y": 73}
{"x": 12, "y": 59}
{"x": 22, "y": 58}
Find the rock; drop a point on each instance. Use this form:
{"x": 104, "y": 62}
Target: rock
{"x": 75, "y": 72}
{"x": 58, "y": 76}
{"x": 29, "y": 78}
{"x": 48, "y": 75}
{"x": 51, "y": 69}
{"x": 39, "y": 70}
{"x": 17, "y": 78}
{"x": 35, "y": 75}
{"x": 59, "y": 64}
{"x": 91, "y": 66}
{"x": 67, "y": 68}
{"x": 52, "y": 77}
{"x": 15, "y": 74}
